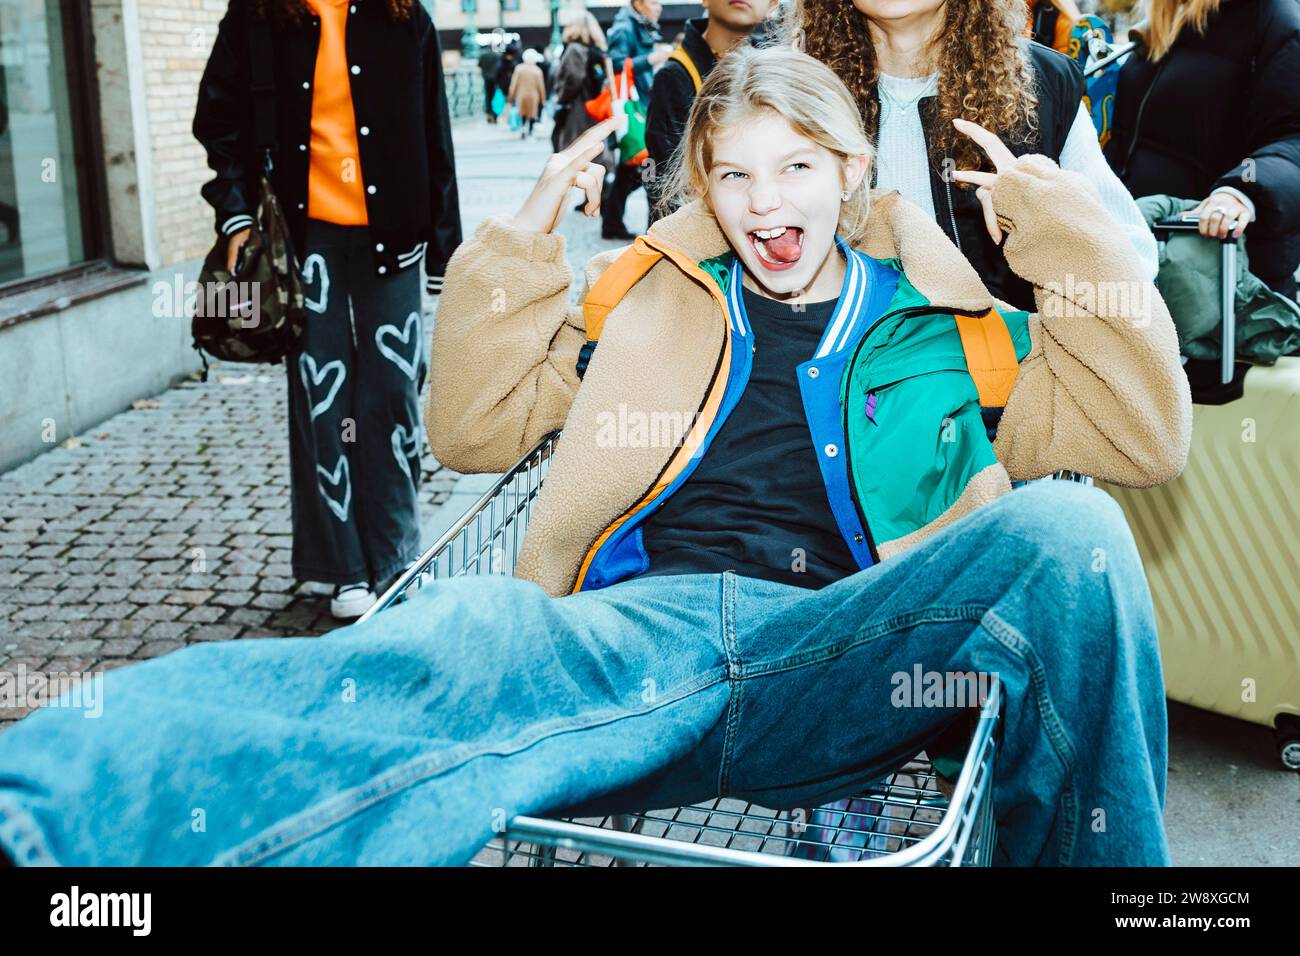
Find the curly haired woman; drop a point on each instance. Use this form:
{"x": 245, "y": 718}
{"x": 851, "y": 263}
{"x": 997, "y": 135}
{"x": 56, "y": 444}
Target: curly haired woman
{"x": 916, "y": 65}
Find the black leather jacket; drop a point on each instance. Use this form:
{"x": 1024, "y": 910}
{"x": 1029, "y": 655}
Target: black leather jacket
{"x": 403, "y": 131}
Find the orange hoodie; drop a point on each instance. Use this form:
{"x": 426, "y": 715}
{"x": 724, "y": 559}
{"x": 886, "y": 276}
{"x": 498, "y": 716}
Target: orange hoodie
{"x": 335, "y": 190}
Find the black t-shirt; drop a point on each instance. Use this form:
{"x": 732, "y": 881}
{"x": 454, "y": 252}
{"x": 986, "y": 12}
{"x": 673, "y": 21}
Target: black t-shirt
{"x": 755, "y": 502}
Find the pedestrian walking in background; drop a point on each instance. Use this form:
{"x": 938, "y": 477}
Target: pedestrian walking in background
{"x": 528, "y": 91}
{"x": 704, "y": 41}
{"x": 488, "y": 61}
{"x": 506, "y": 71}
{"x": 579, "y": 76}
{"x": 916, "y": 65}
{"x": 1208, "y": 108}
{"x": 365, "y": 174}
{"x": 633, "y": 35}
{"x": 547, "y": 66}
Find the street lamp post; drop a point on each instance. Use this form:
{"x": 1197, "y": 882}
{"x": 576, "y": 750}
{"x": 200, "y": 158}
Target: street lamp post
{"x": 469, "y": 39}
{"x": 556, "y": 42}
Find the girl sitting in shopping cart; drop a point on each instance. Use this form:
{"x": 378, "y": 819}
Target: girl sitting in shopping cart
{"x": 725, "y": 611}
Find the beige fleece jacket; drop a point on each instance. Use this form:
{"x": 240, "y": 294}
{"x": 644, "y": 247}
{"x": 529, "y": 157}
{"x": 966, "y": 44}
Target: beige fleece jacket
{"x": 1101, "y": 391}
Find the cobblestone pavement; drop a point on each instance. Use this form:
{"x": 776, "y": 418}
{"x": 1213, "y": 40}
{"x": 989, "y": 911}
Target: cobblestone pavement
{"x": 167, "y": 525}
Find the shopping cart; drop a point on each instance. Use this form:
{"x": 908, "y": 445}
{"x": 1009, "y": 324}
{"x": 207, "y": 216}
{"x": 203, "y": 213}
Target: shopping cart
{"x": 910, "y": 818}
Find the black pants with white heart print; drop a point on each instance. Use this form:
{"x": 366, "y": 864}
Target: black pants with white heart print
{"x": 355, "y": 432}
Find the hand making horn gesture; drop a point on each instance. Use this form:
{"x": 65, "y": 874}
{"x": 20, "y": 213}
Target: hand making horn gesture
{"x": 1002, "y": 159}
{"x": 570, "y": 167}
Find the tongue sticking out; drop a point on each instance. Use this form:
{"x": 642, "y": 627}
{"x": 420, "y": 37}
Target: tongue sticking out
{"x": 785, "y": 247}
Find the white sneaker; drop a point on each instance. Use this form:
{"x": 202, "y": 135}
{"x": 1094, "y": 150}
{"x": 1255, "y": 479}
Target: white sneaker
{"x": 352, "y": 600}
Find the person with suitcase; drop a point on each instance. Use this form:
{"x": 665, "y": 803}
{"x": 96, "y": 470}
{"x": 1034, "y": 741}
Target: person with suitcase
{"x": 1237, "y": 64}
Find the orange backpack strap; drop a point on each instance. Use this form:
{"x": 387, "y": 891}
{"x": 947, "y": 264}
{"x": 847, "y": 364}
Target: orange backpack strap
{"x": 990, "y": 356}
{"x": 684, "y": 58}
{"x": 609, "y": 289}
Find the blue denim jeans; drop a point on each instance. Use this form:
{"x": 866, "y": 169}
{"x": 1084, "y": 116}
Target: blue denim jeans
{"x": 413, "y": 737}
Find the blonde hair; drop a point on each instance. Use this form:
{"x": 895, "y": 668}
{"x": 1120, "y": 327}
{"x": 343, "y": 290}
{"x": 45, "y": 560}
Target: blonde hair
{"x": 751, "y": 81}
{"x": 584, "y": 28}
{"x": 1167, "y": 19}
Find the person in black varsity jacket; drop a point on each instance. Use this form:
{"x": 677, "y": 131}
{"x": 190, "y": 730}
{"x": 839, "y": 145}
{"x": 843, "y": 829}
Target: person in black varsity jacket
{"x": 364, "y": 171}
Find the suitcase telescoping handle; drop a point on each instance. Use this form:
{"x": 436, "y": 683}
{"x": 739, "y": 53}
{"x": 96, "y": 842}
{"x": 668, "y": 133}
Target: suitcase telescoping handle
{"x": 1187, "y": 222}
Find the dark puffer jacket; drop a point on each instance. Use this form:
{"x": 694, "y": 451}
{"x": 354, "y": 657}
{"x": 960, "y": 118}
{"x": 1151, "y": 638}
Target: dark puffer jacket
{"x": 1222, "y": 109}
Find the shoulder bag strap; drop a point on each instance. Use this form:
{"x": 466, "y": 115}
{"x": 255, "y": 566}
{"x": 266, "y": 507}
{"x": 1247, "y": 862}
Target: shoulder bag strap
{"x": 262, "y": 89}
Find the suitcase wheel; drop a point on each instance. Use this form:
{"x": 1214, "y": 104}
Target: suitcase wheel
{"x": 1287, "y": 737}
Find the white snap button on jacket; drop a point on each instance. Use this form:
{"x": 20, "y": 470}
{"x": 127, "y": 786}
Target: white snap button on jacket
{"x": 306, "y": 85}
{"x": 383, "y": 269}
{"x": 356, "y": 70}
{"x": 371, "y": 190}
{"x": 379, "y": 247}
{"x": 831, "y": 451}
{"x": 302, "y": 147}
{"x": 812, "y": 372}
{"x": 365, "y": 131}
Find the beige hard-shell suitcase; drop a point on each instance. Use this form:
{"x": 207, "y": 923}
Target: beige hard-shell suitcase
{"x": 1221, "y": 542}
{"x": 1221, "y": 547}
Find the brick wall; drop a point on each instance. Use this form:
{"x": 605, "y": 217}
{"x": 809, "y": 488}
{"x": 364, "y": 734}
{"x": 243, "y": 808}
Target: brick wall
{"x": 176, "y": 37}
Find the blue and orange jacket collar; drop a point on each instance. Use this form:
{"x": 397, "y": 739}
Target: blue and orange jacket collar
{"x": 865, "y": 293}
{"x": 842, "y": 327}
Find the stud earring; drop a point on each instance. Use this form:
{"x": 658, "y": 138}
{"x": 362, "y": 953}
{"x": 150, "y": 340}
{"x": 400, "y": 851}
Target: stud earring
{"x": 844, "y": 196}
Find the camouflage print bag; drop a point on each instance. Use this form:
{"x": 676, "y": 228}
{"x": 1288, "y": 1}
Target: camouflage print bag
{"x": 256, "y": 314}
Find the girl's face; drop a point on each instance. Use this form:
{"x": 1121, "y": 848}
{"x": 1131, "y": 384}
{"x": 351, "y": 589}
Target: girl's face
{"x": 776, "y": 196}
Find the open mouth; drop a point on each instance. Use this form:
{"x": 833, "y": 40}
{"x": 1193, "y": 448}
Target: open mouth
{"x": 777, "y": 248}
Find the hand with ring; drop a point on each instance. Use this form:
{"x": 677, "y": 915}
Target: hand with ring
{"x": 1219, "y": 212}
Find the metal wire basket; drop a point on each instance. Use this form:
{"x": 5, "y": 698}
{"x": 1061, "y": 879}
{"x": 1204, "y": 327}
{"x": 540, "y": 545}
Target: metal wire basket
{"x": 913, "y": 817}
